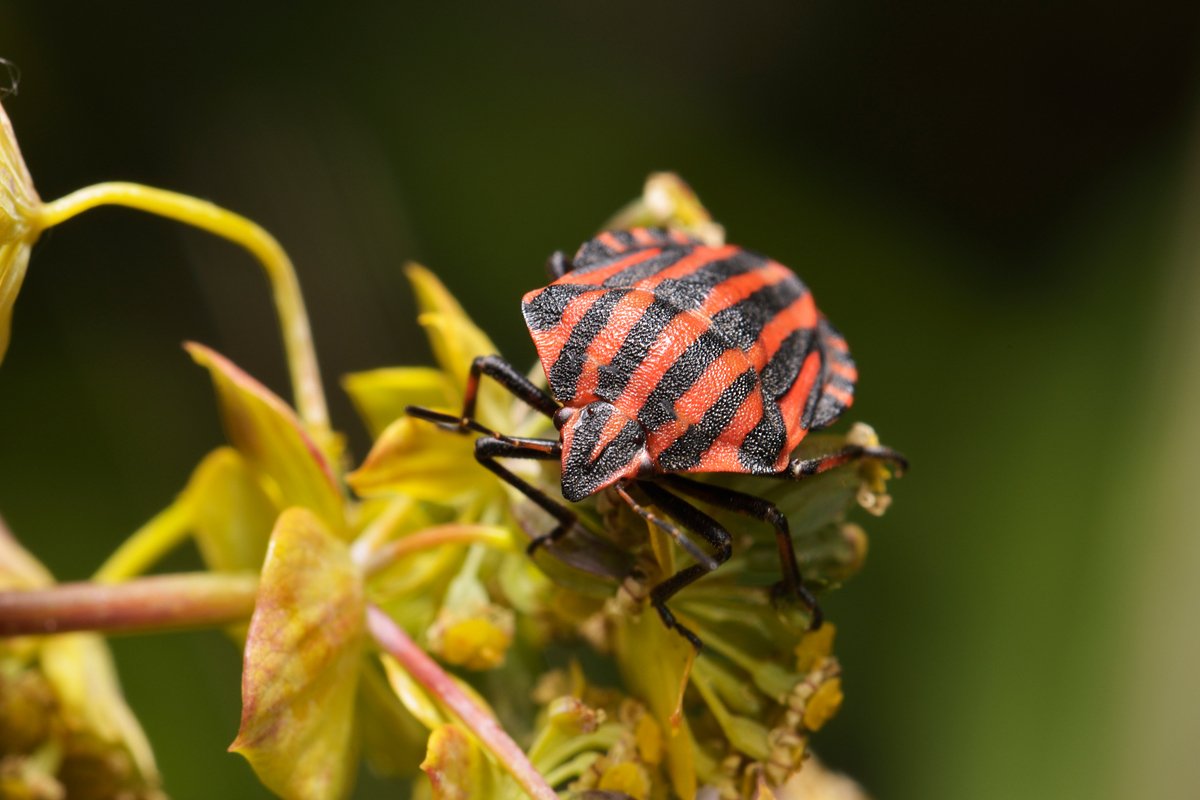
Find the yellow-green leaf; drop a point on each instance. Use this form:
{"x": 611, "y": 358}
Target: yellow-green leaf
{"x": 269, "y": 436}
{"x": 303, "y": 654}
{"x": 381, "y": 395}
{"x": 654, "y": 663}
{"x": 231, "y": 514}
{"x": 418, "y": 459}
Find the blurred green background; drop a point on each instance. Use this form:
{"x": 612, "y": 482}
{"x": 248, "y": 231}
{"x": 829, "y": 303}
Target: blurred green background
{"x": 996, "y": 203}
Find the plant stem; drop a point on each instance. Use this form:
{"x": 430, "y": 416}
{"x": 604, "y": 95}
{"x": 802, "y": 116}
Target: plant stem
{"x": 162, "y": 602}
{"x": 491, "y": 535}
{"x": 297, "y": 336}
{"x": 439, "y": 684}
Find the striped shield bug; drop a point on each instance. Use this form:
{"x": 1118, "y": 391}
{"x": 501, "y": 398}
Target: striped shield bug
{"x": 666, "y": 356}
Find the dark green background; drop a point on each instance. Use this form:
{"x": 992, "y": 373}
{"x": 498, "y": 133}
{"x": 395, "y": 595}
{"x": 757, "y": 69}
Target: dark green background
{"x": 995, "y": 202}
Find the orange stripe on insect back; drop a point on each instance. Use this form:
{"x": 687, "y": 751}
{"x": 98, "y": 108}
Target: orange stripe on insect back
{"x": 802, "y": 313}
{"x": 791, "y": 405}
{"x": 724, "y": 455}
{"x": 737, "y": 288}
{"x": 690, "y": 263}
{"x": 681, "y": 332}
{"x": 598, "y": 276}
{"x": 690, "y": 408}
{"x": 551, "y": 342}
{"x": 604, "y": 347}
{"x": 839, "y": 394}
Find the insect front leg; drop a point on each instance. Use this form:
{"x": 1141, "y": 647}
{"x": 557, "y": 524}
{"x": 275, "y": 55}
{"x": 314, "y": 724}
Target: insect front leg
{"x": 504, "y": 374}
{"x": 488, "y": 449}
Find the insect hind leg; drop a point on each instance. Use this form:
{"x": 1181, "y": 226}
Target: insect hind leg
{"x": 705, "y": 526}
{"x": 558, "y": 264}
{"x": 791, "y": 586}
{"x": 804, "y": 467}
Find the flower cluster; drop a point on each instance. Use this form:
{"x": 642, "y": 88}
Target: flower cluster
{"x": 397, "y": 597}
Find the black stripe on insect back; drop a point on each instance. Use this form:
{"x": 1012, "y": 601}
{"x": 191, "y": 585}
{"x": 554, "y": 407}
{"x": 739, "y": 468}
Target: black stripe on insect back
{"x": 760, "y": 449}
{"x": 672, "y": 297}
{"x": 784, "y": 367}
{"x": 742, "y": 322}
{"x": 686, "y": 451}
{"x": 659, "y": 408}
{"x": 566, "y": 370}
{"x": 585, "y": 470}
{"x": 822, "y": 408}
{"x": 545, "y": 310}
{"x": 692, "y": 290}
{"x": 614, "y": 376}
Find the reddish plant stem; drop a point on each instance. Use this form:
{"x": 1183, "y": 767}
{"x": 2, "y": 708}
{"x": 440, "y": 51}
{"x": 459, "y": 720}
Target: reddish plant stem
{"x": 163, "y": 602}
{"x": 439, "y": 684}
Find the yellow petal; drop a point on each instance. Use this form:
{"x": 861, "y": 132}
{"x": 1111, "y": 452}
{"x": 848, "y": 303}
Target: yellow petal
{"x": 269, "y": 436}
{"x": 381, "y": 395}
{"x": 415, "y": 458}
{"x": 18, "y": 207}
{"x": 14, "y": 258}
{"x": 456, "y": 341}
{"x": 303, "y": 655}
{"x": 231, "y": 514}
{"x": 823, "y": 705}
{"x": 455, "y": 766}
{"x": 814, "y": 646}
{"x": 667, "y": 201}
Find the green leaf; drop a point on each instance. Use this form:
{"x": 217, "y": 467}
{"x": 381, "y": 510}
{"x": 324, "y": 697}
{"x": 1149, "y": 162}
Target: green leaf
{"x": 303, "y": 655}
{"x": 231, "y": 514}
{"x": 381, "y": 395}
{"x": 268, "y": 435}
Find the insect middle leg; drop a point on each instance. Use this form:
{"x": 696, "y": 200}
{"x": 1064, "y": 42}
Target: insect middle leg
{"x": 791, "y": 585}
{"x": 705, "y": 526}
{"x": 488, "y": 449}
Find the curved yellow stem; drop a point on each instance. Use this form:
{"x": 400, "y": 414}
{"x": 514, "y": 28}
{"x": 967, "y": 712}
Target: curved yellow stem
{"x": 297, "y": 336}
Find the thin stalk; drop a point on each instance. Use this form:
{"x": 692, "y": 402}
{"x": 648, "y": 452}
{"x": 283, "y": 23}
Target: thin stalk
{"x": 147, "y": 544}
{"x": 390, "y": 553}
{"x": 163, "y": 602}
{"x": 440, "y": 685}
{"x": 297, "y": 336}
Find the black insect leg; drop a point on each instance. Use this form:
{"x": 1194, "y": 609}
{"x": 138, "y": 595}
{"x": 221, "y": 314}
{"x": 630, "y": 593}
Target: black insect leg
{"x": 791, "y": 584}
{"x": 507, "y": 376}
{"x": 558, "y": 264}
{"x": 803, "y": 467}
{"x": 705, "y": 526}
{"x": 666, "y": 526}
{"x": 488, "y": 449}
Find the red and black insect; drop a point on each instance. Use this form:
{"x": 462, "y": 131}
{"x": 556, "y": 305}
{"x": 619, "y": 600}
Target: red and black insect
{"x": 667, "y": 356}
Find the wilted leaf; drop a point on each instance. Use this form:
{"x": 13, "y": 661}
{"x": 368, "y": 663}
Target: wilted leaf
{"x": 18, "y": 202}
{"x": 231, "y": 514}
{"x": 14, "y": 259}
{"x": 381, "y": 395}
{"x": 269, "y": 436}
{"x": 303, "y": 656}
